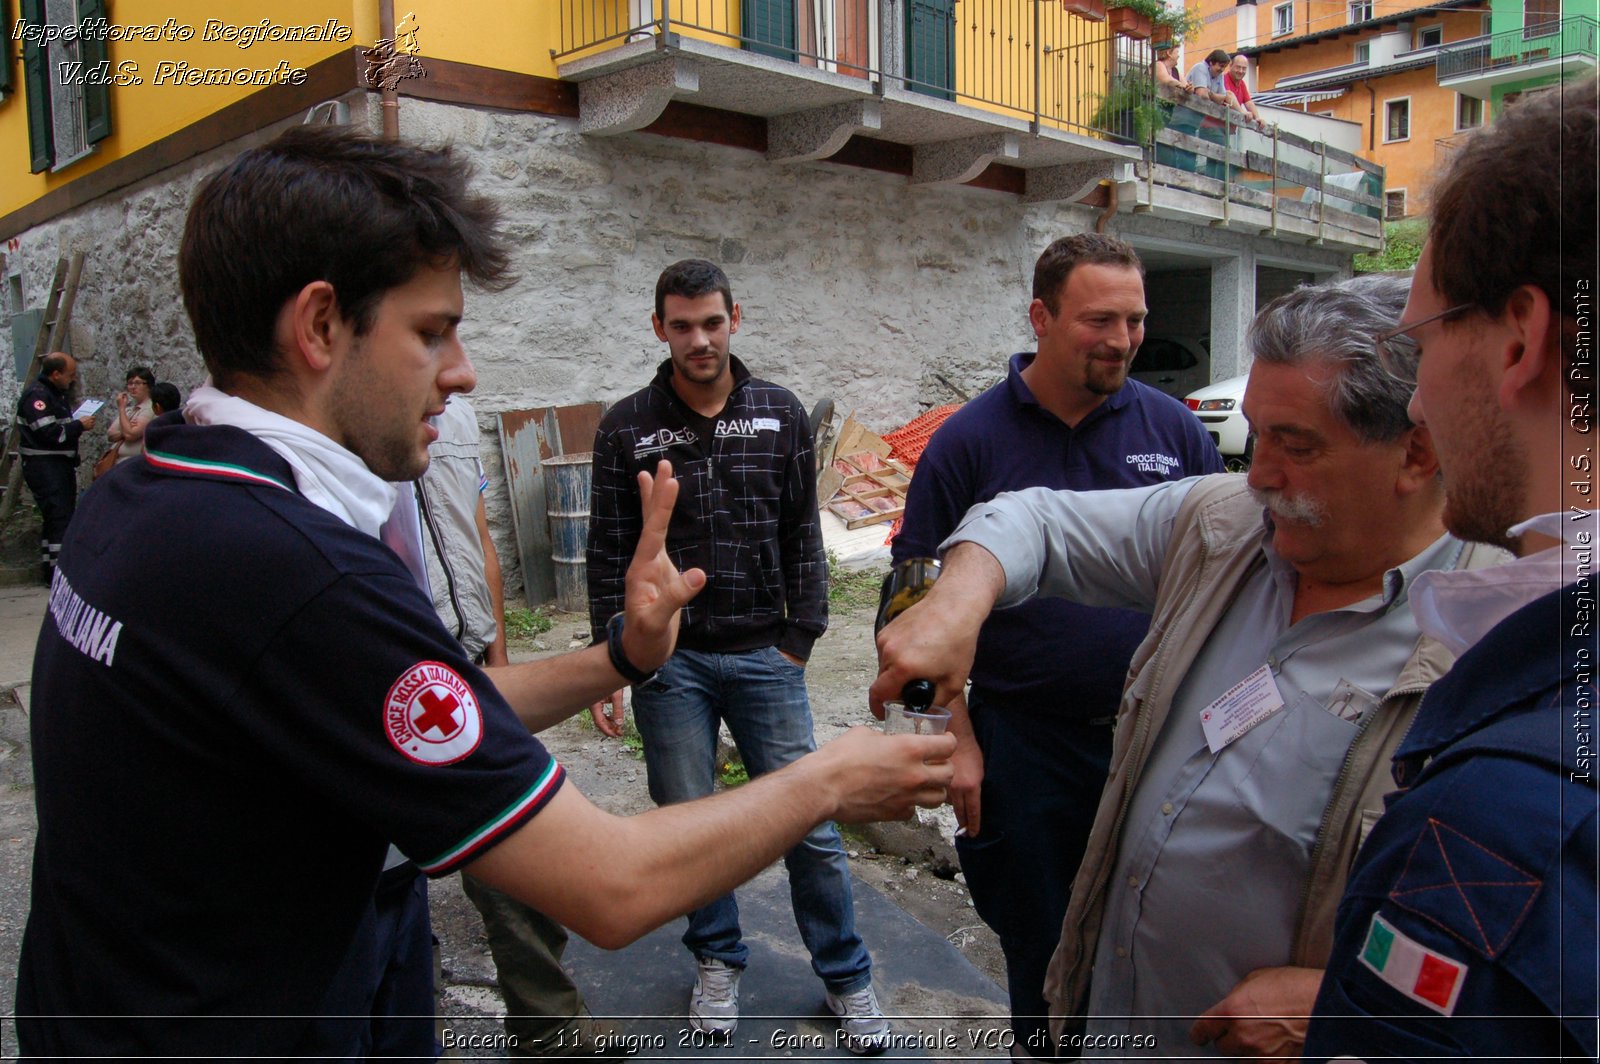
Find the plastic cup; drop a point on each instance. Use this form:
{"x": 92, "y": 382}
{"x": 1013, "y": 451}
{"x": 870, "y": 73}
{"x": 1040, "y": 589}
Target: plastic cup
{"x": 898, "y": 718}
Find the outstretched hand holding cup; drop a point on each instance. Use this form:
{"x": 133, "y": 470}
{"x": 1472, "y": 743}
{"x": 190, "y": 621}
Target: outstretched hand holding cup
{"x": 902, "y": 719}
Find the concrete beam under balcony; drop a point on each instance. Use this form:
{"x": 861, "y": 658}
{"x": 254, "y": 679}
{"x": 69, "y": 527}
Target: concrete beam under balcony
{"x": 955, "y": 161}
{"x": 817, "y": 134}
{"x": 633, "y": 98}
{"x": 1070, "y": 181}
{"x": 730, "y": 79}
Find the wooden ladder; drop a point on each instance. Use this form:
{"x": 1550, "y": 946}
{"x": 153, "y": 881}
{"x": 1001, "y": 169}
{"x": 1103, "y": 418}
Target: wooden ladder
{"x": 57, "y": 316}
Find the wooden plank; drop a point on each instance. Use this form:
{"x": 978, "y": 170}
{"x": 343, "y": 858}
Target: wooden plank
{"x": 1298, "y": 209}
{"x": 1198, "y": 146}
{"x": 1358, "y": 223}
{"x": 527, "y": 438}
{"x": 1255, "y": 197}
{"x": 1294, "y": 140}
{"x": 1311, "y": 179}
{"x": 1188, "y": 181}
{"x": 1344, "y": 158}
{"x": 449, "y": 81}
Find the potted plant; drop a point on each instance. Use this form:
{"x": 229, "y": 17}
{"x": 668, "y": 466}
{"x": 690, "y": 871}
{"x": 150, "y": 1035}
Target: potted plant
{"x": 1130, "y": 109}
{"x": 1130, "y": 23}
{"x": 1094, "y": 10}
{"x": 1178, "y": 25}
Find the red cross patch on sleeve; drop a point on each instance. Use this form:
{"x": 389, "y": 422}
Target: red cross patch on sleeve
{"x": 432, "y": 716}
{"x": 38, "y": 404}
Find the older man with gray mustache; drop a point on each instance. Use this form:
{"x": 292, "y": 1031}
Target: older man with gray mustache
{"x": 1282, "y": 667}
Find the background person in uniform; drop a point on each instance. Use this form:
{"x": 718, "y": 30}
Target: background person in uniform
{"x": 748, "y": 517}
{"x": 48, "y": 443}
{"x": 1034, "y": 732}
{"x": 1281, "y": 669}
{"x": 243, "y": 753}
{"x": 1469, "y": 925}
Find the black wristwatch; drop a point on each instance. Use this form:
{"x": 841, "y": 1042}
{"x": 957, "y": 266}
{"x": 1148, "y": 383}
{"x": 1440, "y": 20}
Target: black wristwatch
{"x": 619, "y": 660}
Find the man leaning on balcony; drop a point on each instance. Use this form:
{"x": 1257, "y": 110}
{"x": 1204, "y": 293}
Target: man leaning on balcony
{"x": 1206, "y": 83}
{"x": 1234, "y": 79}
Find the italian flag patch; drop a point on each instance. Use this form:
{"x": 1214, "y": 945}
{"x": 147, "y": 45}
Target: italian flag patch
{"x": 1421, "y": 974}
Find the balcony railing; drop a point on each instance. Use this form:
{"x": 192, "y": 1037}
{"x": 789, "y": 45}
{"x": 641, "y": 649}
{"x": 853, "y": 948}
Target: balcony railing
{"x": 1502, "y": 52}
{"x": 1203, "y": 147}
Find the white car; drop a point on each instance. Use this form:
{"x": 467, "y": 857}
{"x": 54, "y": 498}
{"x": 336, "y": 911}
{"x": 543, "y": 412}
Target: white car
{"x": 1220, "y": 408}
{"x": 1176, "y": 365}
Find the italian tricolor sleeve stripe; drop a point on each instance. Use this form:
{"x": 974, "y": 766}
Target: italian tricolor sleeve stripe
{"x": 507, "y": 819}
{"x": 1421, "y": 974}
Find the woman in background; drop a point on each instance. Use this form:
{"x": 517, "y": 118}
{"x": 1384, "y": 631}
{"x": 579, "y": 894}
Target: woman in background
{"x": 134, "y": 411}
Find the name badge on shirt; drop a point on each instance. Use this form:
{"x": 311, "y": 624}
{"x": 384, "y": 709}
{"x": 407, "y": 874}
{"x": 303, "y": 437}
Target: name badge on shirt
{"x": 1241, "y": 707}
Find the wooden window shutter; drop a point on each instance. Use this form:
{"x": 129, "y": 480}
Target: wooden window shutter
{"x": 769, "y": 27}
{"x": 930, "y": 47}
{"x": 36, "y": 87}
{"x": 8, "y": 82}
{"x": 96, "y": 98}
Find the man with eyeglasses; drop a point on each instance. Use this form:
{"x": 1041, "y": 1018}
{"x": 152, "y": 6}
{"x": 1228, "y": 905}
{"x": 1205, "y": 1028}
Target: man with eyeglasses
{"x": 1469, "y": 924}
{"x": 1281, "y": 669}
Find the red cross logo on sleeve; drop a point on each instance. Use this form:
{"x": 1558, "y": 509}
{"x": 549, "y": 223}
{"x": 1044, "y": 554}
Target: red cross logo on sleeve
{"x": 432, "y": 716}
{"x": 436, "y": 712}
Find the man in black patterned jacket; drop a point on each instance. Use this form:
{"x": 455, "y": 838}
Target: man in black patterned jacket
{"x": 748, "y": 516}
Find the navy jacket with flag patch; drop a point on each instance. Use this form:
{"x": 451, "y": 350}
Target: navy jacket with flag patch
{"x": 1468, "y": 927}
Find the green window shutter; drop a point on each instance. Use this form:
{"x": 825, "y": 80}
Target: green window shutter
{"x": 8, "y": 82}
{"x": 930, "y": 47}
{"x": 36, "y": 87}
{"x": 96, "y": 98}
{"x": 769, "y": 27}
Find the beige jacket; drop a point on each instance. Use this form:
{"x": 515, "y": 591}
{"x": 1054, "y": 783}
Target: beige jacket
{"x": 1215, "y": 549}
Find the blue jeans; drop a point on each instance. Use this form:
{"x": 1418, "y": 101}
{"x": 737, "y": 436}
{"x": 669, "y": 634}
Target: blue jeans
{"x": 1042, "y": 778}
{"x": 762, "y": 697}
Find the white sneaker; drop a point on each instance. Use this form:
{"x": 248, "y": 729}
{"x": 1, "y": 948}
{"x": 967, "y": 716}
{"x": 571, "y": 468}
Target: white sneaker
{"x": 714, "y": 1004}
{"x": 864, "y": 1026}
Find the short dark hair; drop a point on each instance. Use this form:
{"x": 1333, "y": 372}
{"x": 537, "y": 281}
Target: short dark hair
{"x": 1525, "y": 180}
{"x": 324, "y": 203}
{"x": 1064, "y": 255}
{"x": 53, "y": 363}
{"x": 1338, "y": 323}
{"x": 691, "y": 279}
{"x": 143, "y": 373}
{"x": 165, "y": 397}
{"x": 1219, "y": 56}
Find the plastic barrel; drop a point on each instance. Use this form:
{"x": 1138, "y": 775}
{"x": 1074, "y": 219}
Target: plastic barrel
{"x": 567, "y": 478}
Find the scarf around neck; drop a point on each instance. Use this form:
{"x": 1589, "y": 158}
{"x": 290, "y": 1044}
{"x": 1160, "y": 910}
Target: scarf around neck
{"x": 327, "y": 474}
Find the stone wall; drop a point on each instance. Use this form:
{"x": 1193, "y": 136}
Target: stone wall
{"x": 854, "y": 284}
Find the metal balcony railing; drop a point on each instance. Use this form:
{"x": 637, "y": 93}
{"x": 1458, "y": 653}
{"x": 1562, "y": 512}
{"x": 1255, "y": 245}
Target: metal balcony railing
{"x": 1031, "y": 59}
{"x": 1520, "y": 47}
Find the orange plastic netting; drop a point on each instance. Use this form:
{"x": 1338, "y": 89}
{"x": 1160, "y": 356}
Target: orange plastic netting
{"x": 907, "y": 442}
